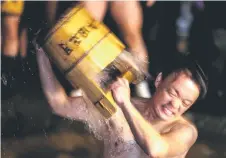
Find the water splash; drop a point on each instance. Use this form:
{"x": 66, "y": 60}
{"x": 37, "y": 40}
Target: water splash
{"x": 4, "y": 79}
{"x": 45, "y": 134}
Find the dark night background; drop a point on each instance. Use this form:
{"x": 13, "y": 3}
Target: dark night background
{"x": 29, "y": 129}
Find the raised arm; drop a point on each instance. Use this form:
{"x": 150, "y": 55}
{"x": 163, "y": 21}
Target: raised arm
{"x": 53, "y": 90}
{"x": 57, "y": 98}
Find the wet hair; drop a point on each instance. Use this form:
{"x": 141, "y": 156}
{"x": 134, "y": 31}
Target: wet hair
{"x": 194, "y": 71}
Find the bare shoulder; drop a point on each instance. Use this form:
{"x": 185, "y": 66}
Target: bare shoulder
{"x": 186, "y": 130}
{"x": 188, "y": 124}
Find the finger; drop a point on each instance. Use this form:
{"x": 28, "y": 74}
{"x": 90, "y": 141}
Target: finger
{"x": 111, "y": 86}
{"x": 40, "y": 50}
{"x": 121, "y": 80}
{"x": 36, "y": 46}
{"x": 114, "y": 85}
{"x": 118, "y": 79}
{"x": 126, "y": 82}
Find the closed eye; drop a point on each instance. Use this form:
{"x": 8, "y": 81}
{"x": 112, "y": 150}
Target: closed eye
{"x": 186, "y": 103}
{"x": 172, "y": 93}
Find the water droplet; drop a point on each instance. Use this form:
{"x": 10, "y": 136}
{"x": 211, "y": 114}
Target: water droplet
{"x": 45, "y": 134}
{"x": 4, "y": 80}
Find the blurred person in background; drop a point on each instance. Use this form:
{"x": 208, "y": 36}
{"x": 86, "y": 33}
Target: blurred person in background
{"x": 183, "y": 26}
{"x": 13, "y": 43}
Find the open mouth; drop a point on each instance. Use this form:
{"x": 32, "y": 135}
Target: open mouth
{"x": 167, "y": 111}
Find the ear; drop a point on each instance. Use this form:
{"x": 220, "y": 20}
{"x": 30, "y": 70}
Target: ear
{"x": 158, "y": 80}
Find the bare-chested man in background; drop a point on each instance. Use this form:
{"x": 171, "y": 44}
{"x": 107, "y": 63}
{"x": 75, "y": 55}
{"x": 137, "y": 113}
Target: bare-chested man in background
{"x": 140, "y": 127}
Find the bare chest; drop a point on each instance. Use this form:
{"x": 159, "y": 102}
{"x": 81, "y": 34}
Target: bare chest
{"x": 116, "y": 133}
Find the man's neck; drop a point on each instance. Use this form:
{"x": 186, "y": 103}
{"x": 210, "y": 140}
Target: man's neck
{"x": 153, "y": 116}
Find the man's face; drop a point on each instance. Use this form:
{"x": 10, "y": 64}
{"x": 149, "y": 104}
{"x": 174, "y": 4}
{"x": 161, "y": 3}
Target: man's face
{"x": 174, "y": 95}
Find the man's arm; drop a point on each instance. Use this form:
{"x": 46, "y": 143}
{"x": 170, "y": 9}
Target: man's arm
{"x": 174, "y": 143}
{"x": 56, "y": 96}
{"x": 53, "y": 90}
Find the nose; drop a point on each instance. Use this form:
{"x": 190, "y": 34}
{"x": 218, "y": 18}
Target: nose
{"x": 176, "y": 103}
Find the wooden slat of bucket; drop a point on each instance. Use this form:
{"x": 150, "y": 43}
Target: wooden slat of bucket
{"x": 94, "y": 92}
{"x": 107, "y": 106}
{"x": 105, "y": 103}
{"x": 80, "y": 79}
{"x": 101, "y": 55}
{"x": 69, "y": 29}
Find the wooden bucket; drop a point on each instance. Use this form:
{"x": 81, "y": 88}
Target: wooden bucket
{"x": 90, "y": 56}
{"x": 12, "y": 7}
